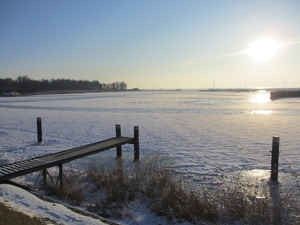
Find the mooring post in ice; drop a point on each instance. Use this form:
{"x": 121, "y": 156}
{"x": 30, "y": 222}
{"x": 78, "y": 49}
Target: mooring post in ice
{"x": 274, "y": 159}
{"x": 136, "y": 143}
{"x": 39, "y": 129}
{"x": 118, "y": 134}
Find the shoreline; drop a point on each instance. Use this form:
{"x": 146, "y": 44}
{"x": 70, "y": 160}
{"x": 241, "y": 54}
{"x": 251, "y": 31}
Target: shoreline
{"x": 54, "y": 92}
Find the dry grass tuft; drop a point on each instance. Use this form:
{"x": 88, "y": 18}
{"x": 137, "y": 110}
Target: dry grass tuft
{"x": 154, "y": 181}
{"x": 257, "y": 201}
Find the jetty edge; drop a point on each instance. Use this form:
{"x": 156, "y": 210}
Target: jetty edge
{"x": 284, "y": 94}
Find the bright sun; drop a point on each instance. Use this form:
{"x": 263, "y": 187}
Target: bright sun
{"x": 263, "y": 49}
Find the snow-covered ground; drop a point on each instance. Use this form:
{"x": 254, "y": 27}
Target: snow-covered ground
{"x": 33, "y": 206}
{"x": 205, "y": 131}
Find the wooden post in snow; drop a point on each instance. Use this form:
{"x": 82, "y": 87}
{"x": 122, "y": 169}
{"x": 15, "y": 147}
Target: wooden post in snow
{"x": 39, "y": 129}
{"x": 275, "y": 159}
{"x": 136, "y": 143}
{"x": 118, "y": 134}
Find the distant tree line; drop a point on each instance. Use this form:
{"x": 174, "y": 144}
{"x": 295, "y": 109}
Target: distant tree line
{"x": 28, "y": 85}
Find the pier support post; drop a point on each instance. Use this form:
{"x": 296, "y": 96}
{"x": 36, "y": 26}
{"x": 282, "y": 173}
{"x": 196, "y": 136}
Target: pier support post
{"x": 60, "y": 166}
{"x": 118, "y": 134}
{"x": 136, "y": 143}
{"x": 274, "y": 160}
{"x": 45, "y": 177}
{"x": 39, "y": 129}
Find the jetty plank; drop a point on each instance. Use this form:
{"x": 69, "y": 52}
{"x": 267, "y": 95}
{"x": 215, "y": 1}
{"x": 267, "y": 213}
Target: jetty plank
{"x": 24, "y": 167}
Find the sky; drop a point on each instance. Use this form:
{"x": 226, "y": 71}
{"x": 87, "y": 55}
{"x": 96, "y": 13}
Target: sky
{"x": 151, "y": 44}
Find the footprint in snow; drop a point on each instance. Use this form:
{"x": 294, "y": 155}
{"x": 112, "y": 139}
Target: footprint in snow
{"x": 54, "y": 215}
{"x": 73, "y": 219}
{"x": 42, "y": 208}
{"x": 24, "y": 203}
{"x": 18, "y": 197}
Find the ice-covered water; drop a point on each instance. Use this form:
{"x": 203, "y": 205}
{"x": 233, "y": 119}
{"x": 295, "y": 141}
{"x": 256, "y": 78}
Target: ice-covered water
{"x": 205, "y": 131}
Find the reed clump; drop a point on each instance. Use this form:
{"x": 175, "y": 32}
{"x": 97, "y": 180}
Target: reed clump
{"x": 154, "y": 180}
{"x": 256, "y": 201}
{"x": 155, "y": 183}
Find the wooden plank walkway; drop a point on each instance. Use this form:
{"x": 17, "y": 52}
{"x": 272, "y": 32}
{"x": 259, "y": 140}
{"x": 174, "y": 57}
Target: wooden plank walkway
{"x": 24, "y": 167}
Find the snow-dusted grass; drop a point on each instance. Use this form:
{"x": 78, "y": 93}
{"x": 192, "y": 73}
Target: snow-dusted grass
{"x": 255, "y": 201}
{"x": 154, "y": 183}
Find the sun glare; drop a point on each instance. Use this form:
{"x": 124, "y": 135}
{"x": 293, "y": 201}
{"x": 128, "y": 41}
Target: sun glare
{"x": 263, "y": 49}
{"x": 261, "y": 97}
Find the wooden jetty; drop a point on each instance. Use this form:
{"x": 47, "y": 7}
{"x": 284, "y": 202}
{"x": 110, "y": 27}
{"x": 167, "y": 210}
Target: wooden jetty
{"x": 42, "y": 163}
{"x": 284, "y": 94}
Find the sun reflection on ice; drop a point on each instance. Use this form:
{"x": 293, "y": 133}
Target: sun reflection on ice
{"x": 261, "y": 112}
{"x": 258, "y": 174}
{"x": 261, "y": 97}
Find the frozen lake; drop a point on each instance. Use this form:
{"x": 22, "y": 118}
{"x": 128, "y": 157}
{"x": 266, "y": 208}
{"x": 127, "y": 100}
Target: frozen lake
{"x": 205, "y": 131}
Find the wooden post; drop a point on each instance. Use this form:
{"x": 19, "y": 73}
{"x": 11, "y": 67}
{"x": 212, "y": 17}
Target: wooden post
{"x": 61, "y": 175}
{"x": 274, "y": 160}
{"x": 136, "y": 143}
{"x": 45, "y": 177}
{"x": 118, "y": 134}
{"x": 39, "y": 129}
